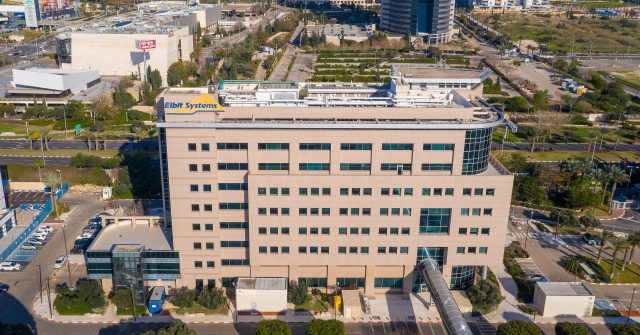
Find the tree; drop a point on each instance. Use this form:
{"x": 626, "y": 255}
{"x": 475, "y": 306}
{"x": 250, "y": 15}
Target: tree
{"x": 589, "y": 221}
{"x": 123, "y": 99}
{"x": 175, "y": 328}
{"x": 485, "y": 296}
{"x": 324, "y": 327}
{"x": 121, "y": 298}
{"x": 74, "y": 109}
{"x": 568, "y": 328}
{"x": 212, "y": 298}
{"x": 528, "y": 189}
{"x": 540, "y": 101}
{"x": 38, "y": 164}
{"x": 625, "y": 329}
{"x": 605, "y": 237}
{"x": 579, "y": 195}
{"x": 518, "y": 327}
{"x": 272, "y": 327}
{"x": 176, "y": 73}
{"x": 617, "y": 175}
{"x": 155, "y": 79}
{"x": 102, "y": 108}
{"x": 297, "y": 293}
{"x": 52, "y": 181}
{"x": 516, "y": 104}
{"x": 565, "y": 217}
{"x": 618, "y": 245}
{"x": 633, "y": 240}
{"x": 184, "y": 298}
{"x": 598, "y": 82}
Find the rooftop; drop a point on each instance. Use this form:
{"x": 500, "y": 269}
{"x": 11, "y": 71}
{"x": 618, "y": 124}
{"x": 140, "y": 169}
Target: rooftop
{"x": 131, "y": 233}
{"x": 262, "y": 284}
{"x": 434, "y": 72}
{"x": 564, "y": 289}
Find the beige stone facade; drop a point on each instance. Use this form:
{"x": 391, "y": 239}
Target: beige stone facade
{"x": 269, "y": 192}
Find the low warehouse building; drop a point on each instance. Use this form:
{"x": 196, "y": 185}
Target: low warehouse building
{"x": 264, "y": 296}
{"x": 563, "y": 299}
{"x": 51, "y": 82}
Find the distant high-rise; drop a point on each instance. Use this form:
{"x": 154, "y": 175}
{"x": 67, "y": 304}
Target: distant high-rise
{"x": 432, "y": 19}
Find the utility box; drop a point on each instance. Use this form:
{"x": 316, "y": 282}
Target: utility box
{"x": 156, "y": 300}
{"x": 107, "y": 192}
{"x": 261, "y": 296}
{"x": 563, "y": 299}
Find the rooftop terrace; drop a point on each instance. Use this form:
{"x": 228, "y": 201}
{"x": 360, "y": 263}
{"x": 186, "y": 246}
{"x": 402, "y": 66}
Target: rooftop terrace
{"x": 134, "y": 232}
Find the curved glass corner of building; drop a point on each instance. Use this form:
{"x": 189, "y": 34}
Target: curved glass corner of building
{"x": 477, "y": 148}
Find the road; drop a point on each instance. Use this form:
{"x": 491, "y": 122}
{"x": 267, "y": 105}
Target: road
{"x": 279, "y": 73}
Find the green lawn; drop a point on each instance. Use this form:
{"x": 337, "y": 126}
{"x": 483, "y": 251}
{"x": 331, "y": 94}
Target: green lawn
{"x": 72, "y": 175}
{"x": 77, "y": 309}
{"x": 562, "y": 155}
{"x": 59, "y": 152}
{"x": 12, "y": 128}
{"x": 140, "y": 310}
{"x": 310, "y": 305}
{"x": 630, "y": 275}
{"x": 197, "y": 309}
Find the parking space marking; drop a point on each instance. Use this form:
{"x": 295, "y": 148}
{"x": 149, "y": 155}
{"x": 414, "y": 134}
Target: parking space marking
{"x": 529, "y": 266}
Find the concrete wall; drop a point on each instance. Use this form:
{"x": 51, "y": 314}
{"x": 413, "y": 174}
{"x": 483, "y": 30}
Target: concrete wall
{"x": 116, "y": 54}
{"x": 27, "y": 186}
{"x": 554, "y": 306}
{"x": 263, "y": 301}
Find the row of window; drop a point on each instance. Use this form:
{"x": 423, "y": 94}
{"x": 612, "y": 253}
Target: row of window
{"x": 221, "y": 206}
{"x": 319, "y": 146}
{"x": 476, "y": 211}
{"x": 223, "y": 244}
{"x": 223, "y": 225}
{"x": 472, "y": 250}
{"x": 319, "y": 167}
{"x": 210, "y": 264}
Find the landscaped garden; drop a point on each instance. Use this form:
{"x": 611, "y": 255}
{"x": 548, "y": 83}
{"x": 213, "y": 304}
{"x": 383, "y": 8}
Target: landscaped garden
{"x": 204, "y": 301}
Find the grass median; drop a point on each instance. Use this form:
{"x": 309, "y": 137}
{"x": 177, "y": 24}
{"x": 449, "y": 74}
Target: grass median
{"x": 57, "y": 152}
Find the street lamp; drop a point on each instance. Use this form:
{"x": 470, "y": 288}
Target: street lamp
{"x": 66, "y": 252}
{"x": 59, "y": 174}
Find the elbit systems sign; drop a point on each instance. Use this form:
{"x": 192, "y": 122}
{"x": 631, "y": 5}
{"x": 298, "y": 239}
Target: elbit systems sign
{"x": 145, "y": 44}
{"x": 203, "y": 103}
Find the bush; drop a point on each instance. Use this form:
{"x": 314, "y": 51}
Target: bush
{"x": 175, "y": 328}
{"x": 485, "y": 296}
{"x": 87, "y": 296}
{"x": 272, "y": 327}
{"x": 121, "y": 298}
{"x": 297, "y": 293}
{"x": 589, "y": 221}
{"x": 212, "y": 298}
{"x": 80, "y": 160}
{"x": 625, "y": 329}
{"x": 324, "y": 327}
{"x": 518, "y": 327}
{"x": 184, "y": 298}
{"x": 568, "y": 328}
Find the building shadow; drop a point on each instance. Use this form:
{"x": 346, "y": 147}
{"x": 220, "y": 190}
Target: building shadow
{"x": 14, "y": 312}
{"x": 125, "y": 327}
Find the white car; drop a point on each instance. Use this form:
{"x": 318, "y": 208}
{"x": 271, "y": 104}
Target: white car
{"x": 60, "y": 262}
{"x": 28, "y": 246}
{"x": 84, "y": 235}
{"x": 10, "y": 266}
{"x": 46, "y": 229}
{"x": 34, "y": 241}
{"x": 40, "y": 237}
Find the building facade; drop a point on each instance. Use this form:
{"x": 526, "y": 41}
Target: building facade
{"x": 325, "y": 191}
{"x": 430, "y": 19}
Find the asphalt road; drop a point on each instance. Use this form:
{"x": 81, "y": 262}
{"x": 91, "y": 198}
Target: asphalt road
{"x": 28, "y": 160}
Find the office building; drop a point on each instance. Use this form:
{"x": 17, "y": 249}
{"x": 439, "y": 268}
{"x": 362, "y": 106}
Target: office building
{"x": 332, "y": 184}
{"x": 133, "y": 252}
{"x": 430, "y": 19}
{"x": 7, "y": 215}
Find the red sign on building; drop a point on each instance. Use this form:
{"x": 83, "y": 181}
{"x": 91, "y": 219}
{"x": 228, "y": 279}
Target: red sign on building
{"x": 145, "y": 44}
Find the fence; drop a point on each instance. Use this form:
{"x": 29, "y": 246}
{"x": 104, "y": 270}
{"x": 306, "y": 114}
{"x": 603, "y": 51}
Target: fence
{"x": 37, "y": 220}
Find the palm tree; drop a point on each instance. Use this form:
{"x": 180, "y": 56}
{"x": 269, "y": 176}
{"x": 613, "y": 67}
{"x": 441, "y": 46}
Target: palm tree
{"x": 618, "y": 245}
{"x": 606, "y": 178}
{"x": 597, "y": 175}
{"x": 44, "y": 133}
{"x": 605, "y": 237}
{"x": 617, "y": 175}
{"x": 52, "y": 181}
{"x": 634, "y": 240}
{"x": 38, "y": 164}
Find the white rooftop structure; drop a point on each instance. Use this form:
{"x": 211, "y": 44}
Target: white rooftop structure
{"x": 131, "y": 232}
{"x": 36, "y": 81}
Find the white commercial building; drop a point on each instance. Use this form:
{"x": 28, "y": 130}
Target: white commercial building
{"x": 266, "y": 296}
{"x": 51, "y": 82}
{"x": 7, "y": 215}
{"x": 563, "y": 299}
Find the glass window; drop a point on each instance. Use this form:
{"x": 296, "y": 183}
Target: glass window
{"x": 404, "y": 250}
{"x": 483, "y": 250}
{"x": 448, "y": 191}
{"x": 325, "y": 230}
{"x": 302, "y": 250}
{"x": 366, "y": 211}
{"x": 355, "y": 191}
{"x": 353, "y": 231}
{"x": 206, "y": 167}
{"x": 408, "y": 191}
{"x": 490, "y": 191}
{"x": 466, "y": 191}
{"x": 485, "y": 231}
{"x": 284, "y": 230}
{"x": 273, "y": 191}
{"x": 208, "y": 208}
{"x": 393, "y": 250}
{"x": 396, "y": 191}
{"x": 284, "y": 191}
{"x": 384, "y": 191}
{"x": 313, "y": 166}
{"x": 273, "y": 250}
{"x": 473, "y": 231}
{"x": 435, "y": 220}
{"x": 394, "y": 231}
{"x": 406, "y": 211}
{"x": 426, "y": 191}
{"x": 302, "y": 211}
{"x": 342, "y": 250}
{"x": 273, "y": 230}
{"x": 487, "y": 211}
{"x": 211, "y": 264}
{"x": 395, "y": 211}
{"x": 365, "y": 231}
{"x": 206, "y": 187}
{"x": 326, "y": 191}
{"x": 326, "y": 211}
{"x": 355, "y": 211}
{"x": 302, "y": 191}
{"x": 232, "y": 166}
{"x": 436, "y": 167}
{"x": 477, "y": 146}
{"x": 384, "y": 211}
{"x": 353, "y": 250}
{"x": 382, "y": 250}
{"x": 355, "y": 146}
{"x": 284, "y": 250}
{"x": 364, "y": 250}
{"x": 395, "y": 167}
{"x": 344, "y": 191}
{"x": 262, "y": 191}
{"x": 197, "y": 264}
{"x": 355, "y": 166}
{"x": 233, "y": 205}
{"x": 195, "y": 207}
{"x": 477, "y": 191}
{"x": 315, "y": 146}
{"x": 366, "y": 191}
{"x": 273, "y": 166}
{"x": 273, "y": 146}
{"x": 262, "y": 250}
{"x": 342, "y": 231}
{"x": 471, "y": 250}
{"x": 231, "y": 146}
{"x": 460, "y": 250}
{"x": 191, "y": 146}
{"x": 397, "y": 146}
{"x": 314, "y": 211}
{"x": 439, "y": 147}
{"x": 313, "y": 230}
{"x": 302, "y": 230}
{"x": 475, "y": 211}
{"x": 195, "y": 226}
{"x": 284, "y": 211}
{"x": 462, "y": 231}
{"x": 262, "y": 230}
{"x": 464, "y": 211}
{"x": 208, "y": 226}
{"x": 406, "y": 231}
{"x": 344, "y": 211}
{"x": 315, "y": 191}
{"x": 204, "y": 146}
{"x": 193, "y": 187}
{"x": 193, "y": 167}
{"x": 197, "y": 245}
{"x": 273, "y": 211}
{"x": 382, "y": 231}
{"x": 324, "y": 250}
{"x": 437, "y": 191}
{"x": 209, "y": 245}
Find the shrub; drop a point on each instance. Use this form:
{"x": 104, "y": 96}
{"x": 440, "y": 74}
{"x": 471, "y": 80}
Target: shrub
{"x": 272, "y": 327}
{"x": 87, "y": 296}
{"x": 518, "y": 327}
{"x": 297, "y": 293}
{"x": 485, "y": 296}
{"x": 625, "y": 329}
{"x": 175, "y": 328}
{"x": 184, "y": 298}
{"x": 568, "y": 328}
{"x": 324, "y": 327}
{"x": 86, "y": 161}
{"x": 121, "y": 298}
{"x": 212, "y": 298}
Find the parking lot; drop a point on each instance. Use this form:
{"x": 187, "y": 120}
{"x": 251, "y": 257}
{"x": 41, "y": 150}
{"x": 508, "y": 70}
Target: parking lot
{"x": 18, "y": 198}
{"x": 30, "y": 248}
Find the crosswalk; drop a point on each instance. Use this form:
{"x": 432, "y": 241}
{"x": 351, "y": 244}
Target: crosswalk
{"x": 560, "y": 240}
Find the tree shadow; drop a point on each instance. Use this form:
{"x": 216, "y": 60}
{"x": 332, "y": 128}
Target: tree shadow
{"x": 13, "y": 312}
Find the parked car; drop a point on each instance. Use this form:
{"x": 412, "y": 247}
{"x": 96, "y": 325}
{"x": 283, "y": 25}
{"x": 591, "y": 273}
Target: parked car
{"x": 538, "y": 279}
{"x": 591, "y": 239}
{"x": 60, "y": 262}
{"x": 40, "y": 237}
{"x": 35, "y": 241}
{"x": 10, "y": 266}
{"x": 4, "y": 287}
{"x": 47, "y": 229}
{"x": 77, "y": 250}
{"x": 28, "y": 246}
